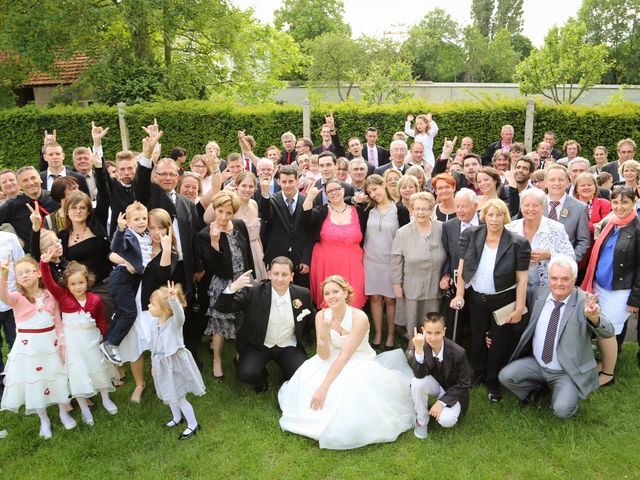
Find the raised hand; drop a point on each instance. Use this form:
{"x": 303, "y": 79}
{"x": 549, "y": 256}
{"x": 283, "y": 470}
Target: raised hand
{"x": 329, "y": 120}
{"x": 35, "y": 217}
{"x": 165, "y": 241}
{"x": 448, "y": 146}
{"x": 410, "y": 118}
{"x": 45, "y": 257}
{"x": 96, "y": 159}
{"x": 4, "y": 267}
{"x": 592, "y": 308}
{"x": 97, "y": 133}
{"x": 241, "y": 282}
{"x": 313, "y": 192}
{"x": 153, "y": 136}
{"x": 171, "y": 290}
{"x": 50, "y": 137}
{"x": 418, "y": 341}
{"x": 241, "y": 134}
{"x": 429, "y": 116}
{"x": 265, "y": 184}
{"x": 122, "y": 221}
{"x": 214, "y": 233}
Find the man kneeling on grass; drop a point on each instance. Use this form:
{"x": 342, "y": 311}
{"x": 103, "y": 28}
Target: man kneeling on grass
{"x": 441, "y": 370}
{"x": 555, "y": 349}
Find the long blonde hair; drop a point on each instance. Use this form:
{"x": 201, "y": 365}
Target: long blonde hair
{"x": 161, "y": 216}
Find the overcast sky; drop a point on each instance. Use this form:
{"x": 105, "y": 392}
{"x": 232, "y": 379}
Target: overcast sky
{"x": 375, "y": 17}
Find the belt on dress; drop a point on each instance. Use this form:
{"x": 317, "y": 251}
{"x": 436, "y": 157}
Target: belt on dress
{"x": 80, "y": 327}
{"x": 36, "y": 330}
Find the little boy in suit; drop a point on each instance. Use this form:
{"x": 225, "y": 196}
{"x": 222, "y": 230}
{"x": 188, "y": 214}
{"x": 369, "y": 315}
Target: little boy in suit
{"x": 440, "y": 369}
{"x": 131, "y": 242}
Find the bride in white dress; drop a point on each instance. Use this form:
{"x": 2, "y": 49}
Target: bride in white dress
{"x": 346, "y": 397}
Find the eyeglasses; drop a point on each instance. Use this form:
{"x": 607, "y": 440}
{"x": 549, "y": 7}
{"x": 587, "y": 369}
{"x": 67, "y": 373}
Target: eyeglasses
{"x": 343, "y": 169}
{"x": 334, "y": 190}
{"x": 167, "y": 174}
{"x": 25, "y": 273}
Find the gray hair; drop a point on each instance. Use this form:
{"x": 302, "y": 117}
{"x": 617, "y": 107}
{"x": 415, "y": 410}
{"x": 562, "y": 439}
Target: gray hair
{"x": 287, "y": 135}
{"x": 564, "y": 261}
{"x": 579, "y": 160}
{"x": 401, "y": 143}
{"x": 467, "y": 192}
{"x": 533, "y": 192}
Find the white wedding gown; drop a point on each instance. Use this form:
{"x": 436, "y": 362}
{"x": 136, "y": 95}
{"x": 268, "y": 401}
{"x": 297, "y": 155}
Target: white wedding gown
{"x": 369, "y": 401}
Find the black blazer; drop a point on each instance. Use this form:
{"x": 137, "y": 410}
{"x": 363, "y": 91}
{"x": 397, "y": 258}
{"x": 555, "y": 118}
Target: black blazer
{"x": 383, "y": 154}
{"x": 184, "y": 210}
{"x": 626, "y": 261}
{"x": 348, "y": 191}
{"x": 219, "y": 262}
{"x": 453, "y": 377}
{"x": 491, "y": 149}
{"x": 255, "y": 301}
{"x": 15, "y": 212}
{"x": 335, "y": 147}
{"x": 82, "y": 182}
{"x": 612, "y": 168}
{"x": 121, "y": 198}
{"x": 284, "y": 155}
{"x": 387, "y": 166}
{"x": 514, "y": 254}
{"x": 450, "y": 241}
{"x": 289, "y": 237}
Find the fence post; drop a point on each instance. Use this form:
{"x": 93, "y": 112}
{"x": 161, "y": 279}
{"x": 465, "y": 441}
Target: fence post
{"x": 306, "y": 118}
{"x": 528, "y": 124}
{"x": 122, "y": 122}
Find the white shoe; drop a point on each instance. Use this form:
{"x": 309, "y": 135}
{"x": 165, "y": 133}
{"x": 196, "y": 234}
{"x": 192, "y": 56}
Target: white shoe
{"x": 88, "y": 419}
{"x": 45, "y": 433}
{"x": 69, "y": 425}
{"x": 420, "y": 431}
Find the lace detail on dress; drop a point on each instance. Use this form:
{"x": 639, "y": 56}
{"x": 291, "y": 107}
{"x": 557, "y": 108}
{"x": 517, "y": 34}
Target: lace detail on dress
{"x": 349, "y": 233}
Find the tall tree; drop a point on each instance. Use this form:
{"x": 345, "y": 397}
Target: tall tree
{"x": 509, "y": 15}
{"x": 386, "y": 71}
{"x": 482, "y": 15}
{"x": 308, "y": 19}
{"x": 566, "y": 65}
{"x": 433, "y": 45}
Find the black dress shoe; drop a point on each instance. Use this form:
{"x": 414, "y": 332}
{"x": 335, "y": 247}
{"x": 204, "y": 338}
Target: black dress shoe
{"x": 191, "y": 432}
{"x": 495, "y": 397}
{"x": 477, "y": 379}
{"x": 218, "y": 378}
{"x": 261, "y": 389}
{"x": 172, "y": 423}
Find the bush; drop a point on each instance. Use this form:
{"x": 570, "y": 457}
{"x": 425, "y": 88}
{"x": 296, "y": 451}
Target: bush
{"x": 191, "y": 124}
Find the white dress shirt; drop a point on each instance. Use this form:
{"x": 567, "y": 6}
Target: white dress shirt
{"x": 559, "y": 207}
{"x": 281, "y": 325}
{"x": 541, "y": 332}
{"x": 439, "y": 355}
{"x": 52, "y": 177}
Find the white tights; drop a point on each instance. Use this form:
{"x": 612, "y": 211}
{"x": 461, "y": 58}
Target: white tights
{"x": 183, "y": 407}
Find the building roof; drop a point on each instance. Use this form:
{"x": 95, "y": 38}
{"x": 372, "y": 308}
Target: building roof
{"x": 68, "y": 72}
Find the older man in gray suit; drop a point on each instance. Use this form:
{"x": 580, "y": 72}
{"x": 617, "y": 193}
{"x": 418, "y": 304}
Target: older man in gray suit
{"x": 571, "y": 213}
{"x": 558, "y": 342}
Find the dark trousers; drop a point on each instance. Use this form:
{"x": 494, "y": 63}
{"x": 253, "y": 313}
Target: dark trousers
{"x": 489, "y": 361}
{"x": 8, "y": 325}
{"x": 123, "y": 287}
{"x": 463, "y": 318}
{"x": 252, "y": 362}
{"x": 196, "y": 321}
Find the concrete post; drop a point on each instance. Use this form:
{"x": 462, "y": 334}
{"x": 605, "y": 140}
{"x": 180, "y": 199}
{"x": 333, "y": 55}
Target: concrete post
{"x": 122, "y": 122}
{"x": 306, "y": 118}
{"x": 528, "y": 124}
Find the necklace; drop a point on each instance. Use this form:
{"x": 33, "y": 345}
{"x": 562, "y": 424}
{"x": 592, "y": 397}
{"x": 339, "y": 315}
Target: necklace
{"x": 382, "y": 215}
{"x": 76, "y": 239}
{"x": 338, "y": 211}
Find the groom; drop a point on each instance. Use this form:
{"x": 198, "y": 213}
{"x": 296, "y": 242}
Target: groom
{"x": 275, "y": 311}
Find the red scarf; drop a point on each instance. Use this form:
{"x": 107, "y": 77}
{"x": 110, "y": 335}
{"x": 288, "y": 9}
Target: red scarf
{"x": 587, "y": 283}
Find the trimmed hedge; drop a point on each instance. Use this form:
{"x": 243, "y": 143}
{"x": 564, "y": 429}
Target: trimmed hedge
{"x": 191, "y": 124}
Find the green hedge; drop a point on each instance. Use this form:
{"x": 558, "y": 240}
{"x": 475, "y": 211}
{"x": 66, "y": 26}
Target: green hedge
{"x": 191, "y": 124}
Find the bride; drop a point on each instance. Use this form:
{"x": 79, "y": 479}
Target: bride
{"x": 344, "y": 396}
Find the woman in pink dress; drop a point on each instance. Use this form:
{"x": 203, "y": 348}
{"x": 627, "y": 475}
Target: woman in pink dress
{"x": 338, "y": 237}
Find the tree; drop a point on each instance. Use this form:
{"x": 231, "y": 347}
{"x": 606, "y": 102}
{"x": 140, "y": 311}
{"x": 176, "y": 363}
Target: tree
{"x": 385, "y": 73}
{"x": 433, "y": 46}
{"x": 489, "y": 60}
{"x": 566, "y": 65}
{"x": 522, "y": 45}
{"x": 144, "y": 50}
{"x": 308, "y": 19}
{"x": 509, "y": 15}
{"x": 482, "y": 15}
{"x": 616, "y": 24}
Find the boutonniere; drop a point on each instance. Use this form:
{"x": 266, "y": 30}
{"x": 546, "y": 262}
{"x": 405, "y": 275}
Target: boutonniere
{"x": 297, "y": 303}
{"x": 303, "y": 314}
{"x": 564, "y": 213}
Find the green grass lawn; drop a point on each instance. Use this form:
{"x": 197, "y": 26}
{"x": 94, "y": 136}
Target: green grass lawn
{"x": 241, "y": 438}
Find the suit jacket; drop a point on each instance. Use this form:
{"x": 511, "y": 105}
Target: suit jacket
{"x": 576, "y": 224}
{"x": 126, "y": 244}
{"x": 255, "y": 301}
{"x": 574, "y": 352}
{"x": 219, "y": 262}
{"x": 383, "y": 154}
{"x": 514, "y": 254}
{"x": 82, "y": 182}
{"x": 450, "y": 241}
{"x": 184, "y": 210}
{"x": 613, "y": 169}
{"x": 284, "y": 155}
{"x": 121, "y": 198}
{"x": 387, "y": 166}
{"x": 15, "y": 212}
{"x": 453, "y": 376}
{"x": 288, "y": 237}
{"x": 488, "y": 154}
{"x": 335, "y": 147}
{"x": 348, "y": 191}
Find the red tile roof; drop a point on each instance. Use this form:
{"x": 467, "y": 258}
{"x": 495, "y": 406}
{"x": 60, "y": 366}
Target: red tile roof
{"x": 68, "y": 72}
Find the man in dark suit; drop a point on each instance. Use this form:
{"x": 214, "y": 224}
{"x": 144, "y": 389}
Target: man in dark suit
{"x": 626, "y": 151}
{"x": 327, "y": 167}
{"x": 275, "y": 312}
{"x": 355, "y": 151}
{"x": 398, "y": 151}
{"x": 373, "y": 153}
{"x": 54, "y": 156}
{"x": 122, "y": 190}
{"x": 555, "y": 348}
{"x": 505, "y": 142}
{"x": 161, "y": 193}
{"x": 282, "y": 213}
{"x": 440, "y": 369}
{"x": 288, "y": 155}
{"x": 330, "y": 139}
{"x": 466, "y": 202}
{"x": 551, "y": 138}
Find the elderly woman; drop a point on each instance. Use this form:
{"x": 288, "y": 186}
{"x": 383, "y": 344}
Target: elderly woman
{"x": 227, "y": 255}
{"x": 383, "y": 219}
{"x": 417, "y": 257}
{"x": 614, "y": 274}
{"x": 444, "y": 185}
{"x": 338, "y": 233}
{"x": 601, "y": 157}
{"x": 495, "y": 262}
{"x": 546, "y": 237}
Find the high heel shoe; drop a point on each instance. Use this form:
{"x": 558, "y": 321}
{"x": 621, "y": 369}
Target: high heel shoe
{"x": 218, "y": 378}
{"x": 610, "y": 382}
{"x": 137, "y": 393}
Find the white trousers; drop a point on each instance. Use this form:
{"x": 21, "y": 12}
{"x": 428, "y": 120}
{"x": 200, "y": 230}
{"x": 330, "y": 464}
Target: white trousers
{"x": 421, "y": 388}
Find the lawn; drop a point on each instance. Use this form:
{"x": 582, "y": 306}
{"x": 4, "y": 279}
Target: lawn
{"x": 241, "y": 438}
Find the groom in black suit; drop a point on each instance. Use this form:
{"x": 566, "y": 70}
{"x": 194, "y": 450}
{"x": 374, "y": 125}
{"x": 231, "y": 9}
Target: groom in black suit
{"x": 275, "y": 312}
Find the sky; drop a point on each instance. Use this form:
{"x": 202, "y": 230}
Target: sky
{"x": 375, "y": 17}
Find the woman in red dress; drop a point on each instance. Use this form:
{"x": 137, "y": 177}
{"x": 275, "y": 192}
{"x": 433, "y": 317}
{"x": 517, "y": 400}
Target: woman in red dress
{"x": 338, "y": 235}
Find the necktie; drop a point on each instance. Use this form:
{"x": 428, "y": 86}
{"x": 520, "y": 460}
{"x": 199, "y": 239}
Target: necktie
{"x": 288, "y": 158}
{"x": 247, "y": 165}
{"x": 372, "y": 156}
{"x": 290, "y": 205}
{"x": 172, "y": 195}
{"x": 553, "y": 214}
{"x": 550, "y": 336}
{"x": 127, "y": 188}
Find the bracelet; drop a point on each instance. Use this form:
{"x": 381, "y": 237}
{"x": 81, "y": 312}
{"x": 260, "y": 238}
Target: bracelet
{"x": 215, "y": 172}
